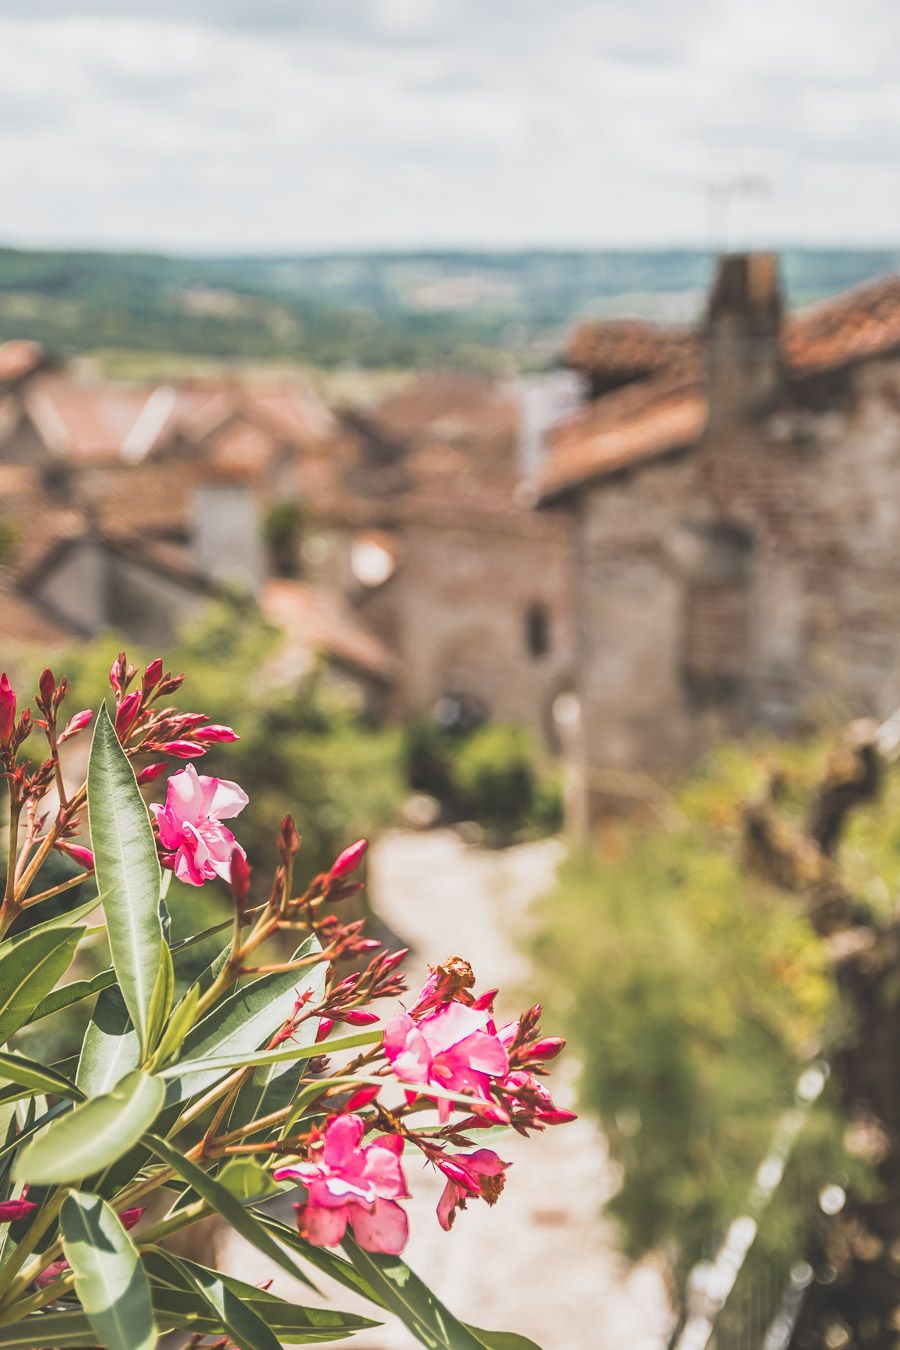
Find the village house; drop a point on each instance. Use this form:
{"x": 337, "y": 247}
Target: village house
{"x": 733, "y": 500}
{"x": 396, "y": 540}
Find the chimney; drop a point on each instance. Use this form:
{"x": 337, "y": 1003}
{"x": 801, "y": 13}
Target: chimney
{"x": 742, "y": 332}
{"x": 228, "y": 544}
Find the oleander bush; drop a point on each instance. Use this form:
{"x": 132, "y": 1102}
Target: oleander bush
{"x": 192, "y": 1095}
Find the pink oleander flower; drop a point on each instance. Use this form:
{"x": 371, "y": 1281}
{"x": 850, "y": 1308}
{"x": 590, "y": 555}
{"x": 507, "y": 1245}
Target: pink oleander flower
{"x": 533, "y": 1097}
{"x": 455, "y": 1047}
{"x": 349, "y": 1183}
{"x": 7, "y": 710}
{"x": 479, "y": 1173}
{"x": 11, "y": 1210}
{"x": 198, "y": 846}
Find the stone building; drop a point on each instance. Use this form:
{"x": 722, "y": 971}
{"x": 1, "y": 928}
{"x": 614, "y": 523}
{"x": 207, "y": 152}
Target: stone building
{"x": 733, "y": 498}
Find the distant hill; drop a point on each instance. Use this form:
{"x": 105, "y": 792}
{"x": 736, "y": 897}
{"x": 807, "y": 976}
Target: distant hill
{"x": 371, "y": 309}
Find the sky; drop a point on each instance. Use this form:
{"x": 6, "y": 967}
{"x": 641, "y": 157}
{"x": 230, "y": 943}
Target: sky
{"x": 280, "y": 126}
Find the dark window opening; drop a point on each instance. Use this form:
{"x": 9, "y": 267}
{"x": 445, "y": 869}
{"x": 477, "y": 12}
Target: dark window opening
{"x": 537, "y": 631}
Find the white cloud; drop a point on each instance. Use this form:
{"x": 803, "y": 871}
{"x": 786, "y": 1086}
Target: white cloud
{"x": 278, "y": 125}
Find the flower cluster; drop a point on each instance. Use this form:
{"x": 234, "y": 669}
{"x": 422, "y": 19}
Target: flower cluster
{"x": 425, "y": 1081}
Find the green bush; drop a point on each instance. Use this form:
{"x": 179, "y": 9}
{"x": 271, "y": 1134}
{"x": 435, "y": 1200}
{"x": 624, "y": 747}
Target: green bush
{"x": 694, "y": 994}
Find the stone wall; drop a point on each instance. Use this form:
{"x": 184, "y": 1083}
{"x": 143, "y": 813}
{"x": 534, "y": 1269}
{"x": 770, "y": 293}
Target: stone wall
{"x": 751, "y": 581}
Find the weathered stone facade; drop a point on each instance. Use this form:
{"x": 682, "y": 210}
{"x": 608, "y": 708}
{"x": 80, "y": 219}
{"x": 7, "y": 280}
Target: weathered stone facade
{"x": 747, "y": 577}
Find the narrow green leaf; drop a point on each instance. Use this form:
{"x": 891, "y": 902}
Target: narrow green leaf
{"x": 110, "y": 1048}
{"x": 128, "y": 871}
{"x": 64, "y": 1331}
{"x": 180, "y": 1023}
{"x": 109, "y": 1278}
{"x": 238, "y": 1320}
{"x": 18, "y": 1069}
{"x": 501, "y": 1340}
{"x": 28, "y": 971}
{"x": 238, "y": 1025}
{"x": 323, "y": 1258}
{"x": 25, "y": 1133}
{"x": 212, "y": 1068}
{"x": 401, "y": 1291}
{"x": 94, "y": 1135}
{"x": 179, "y": 1306}
{"x": 73, "y": 993}
{"x": 68, "y": 919}
{"x": 242, "y": 1220}
{"x": 271, "y": 1086}
{"x": 161, "y": 999}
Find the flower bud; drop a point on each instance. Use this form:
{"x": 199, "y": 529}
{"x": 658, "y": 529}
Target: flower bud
{"x": 116, "y": 671}
{"x": 357, "y": 1017}
{"x": 182, "y": 749}
{"x": 78, "y": 852}
{"x": 215, "y": 734}
{"x": 362, "y": 1097}
{"x": 326, "y": 1025}
{"x": 288, "y": 839}
{"x": 151, "y": 772}
{"x": 76, "y": 724}
{"x": 556, "y": 1117}
{"x": 152, "y": 675}
{"x": 126, "y": 712}
{"x": 129, "y": 1217}
{"x": 349, "y": 860}
{"x": 240, "y": 877}
{"x": 47, "y": 686}
{"x": 11, "y": 1210}
{"x": 7, "y": 711}
{"x": 548, "y": 1048}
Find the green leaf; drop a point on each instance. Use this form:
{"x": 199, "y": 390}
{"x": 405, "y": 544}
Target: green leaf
{"x": 110, "y": 1048}
{"x": 180, "y": 1023}
{"x": 247, "y": 1180}
{"x": 28, "y": 971}
{"x": 162, "y": 997}
{"x": 501, "y": 1340}
{"x": 128, "y": 872}
{"x": 401, "y": 1291}
{"x": 272, "y": 1086}
{"x": 94, "y": 1135}
{"x": 68, "y": 919}
{"x": 17, "y": 1140}
{"x": 109, "y": 1278}
{"x": 238, "y": 1320}
{"x": 63, "y": 1331}
{"x": 236, "y": 1026}
{"x": 73, "y": 993}
{"x": 208, "y": 1070}
{"x": 18, "y": 1069}
{"x": 323, "y": 1258}
{"x": 242, "y": 1220}
{"x": 178, "y": 1305}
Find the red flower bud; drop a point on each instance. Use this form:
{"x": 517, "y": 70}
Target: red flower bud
{"x": 325, "y": 1028}
{"x": 7, "y": 711}
{"x": 182, "y": 749}
{"x": 78, "y": 852}
{"x": 356, "y": 1017}
{"x": 126, "y": 712}
{"x": 288, "y": 839}
{"x": 556, "y": 1117}
{"x": 115, "y": 672}
{"x": 362, "y": 1097}
{"x": 349, "y": 860}
{"x": 11, "y": 1210}
{"x": 548, "y": 1048}
{"x": 76, "y": 724}
{"x": 240, "y": 876}
{"x": 47, "y": 685}
{"x": 151, "y": 772}
{"x": 152, "y": 675}
{"x": 129, "y": 1217}
{"x": 214, "y": 734}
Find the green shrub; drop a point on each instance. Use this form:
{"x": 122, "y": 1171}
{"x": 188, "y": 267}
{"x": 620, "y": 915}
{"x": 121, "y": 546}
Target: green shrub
{"x": 694, "y": 994}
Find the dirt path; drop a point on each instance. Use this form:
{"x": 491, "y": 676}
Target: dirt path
{"x": 543, "y": 1261}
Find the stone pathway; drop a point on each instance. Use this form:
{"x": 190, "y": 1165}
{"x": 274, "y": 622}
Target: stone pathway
{"x": 543, "y": 1261}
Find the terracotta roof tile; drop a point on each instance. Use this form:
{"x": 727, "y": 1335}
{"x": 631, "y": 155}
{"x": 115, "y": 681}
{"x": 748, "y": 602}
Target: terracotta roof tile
{"x": 627, "y": 349}
{"x": 23, "y": 623}
{"x": 637, "y": 423}
{"x": 315, "y": 621}
{"x": 861, "y": 323}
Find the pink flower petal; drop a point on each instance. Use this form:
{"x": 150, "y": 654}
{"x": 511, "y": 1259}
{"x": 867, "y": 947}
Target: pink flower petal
{"x": 383, "y": 1228}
